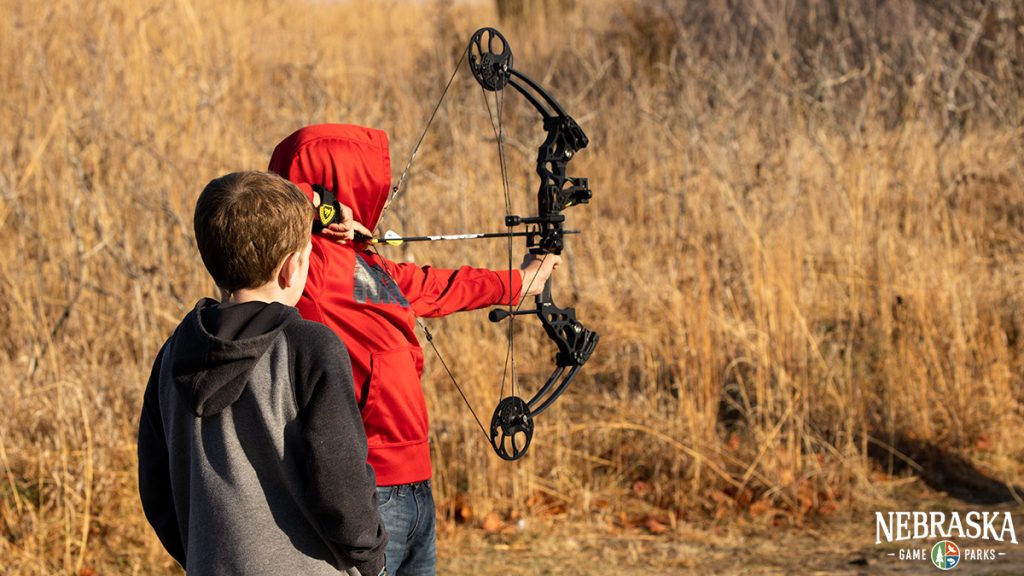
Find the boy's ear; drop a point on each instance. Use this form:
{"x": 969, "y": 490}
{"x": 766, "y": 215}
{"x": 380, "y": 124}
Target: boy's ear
{"x": 289, "y": 266}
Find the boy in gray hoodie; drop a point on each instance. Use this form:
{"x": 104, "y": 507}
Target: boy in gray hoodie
{"x": 252, "y": 454}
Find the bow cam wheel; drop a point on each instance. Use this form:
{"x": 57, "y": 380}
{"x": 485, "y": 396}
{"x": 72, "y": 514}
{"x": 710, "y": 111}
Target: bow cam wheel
{"x": 490, "y": 59}
{"x": 511, "y": 428}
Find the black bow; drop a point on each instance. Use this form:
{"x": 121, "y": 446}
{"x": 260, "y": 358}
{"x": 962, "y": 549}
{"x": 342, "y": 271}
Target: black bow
{"x": 512, "y": 424}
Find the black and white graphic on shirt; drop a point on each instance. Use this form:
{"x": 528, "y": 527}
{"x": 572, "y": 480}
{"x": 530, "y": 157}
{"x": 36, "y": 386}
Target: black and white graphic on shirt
{"x": 372, "y": 284}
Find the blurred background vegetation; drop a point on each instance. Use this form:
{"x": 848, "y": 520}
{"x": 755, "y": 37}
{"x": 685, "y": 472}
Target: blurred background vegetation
{"x": 802, "y": 252}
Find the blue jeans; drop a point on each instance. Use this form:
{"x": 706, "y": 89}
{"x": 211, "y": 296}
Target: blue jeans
{"x": 408, "y": 514}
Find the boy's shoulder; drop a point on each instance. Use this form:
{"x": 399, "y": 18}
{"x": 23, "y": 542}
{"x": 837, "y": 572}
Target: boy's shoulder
{"x": 304, "y": 329}
{"x": 184, "y": 335}
{"x": 317, "y": 356}
{"x": 314, "y": 339}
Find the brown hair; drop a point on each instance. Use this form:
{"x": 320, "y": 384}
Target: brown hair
{"x": 246, "y": 223}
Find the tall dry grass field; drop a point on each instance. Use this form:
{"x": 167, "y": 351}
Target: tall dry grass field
{"x": 803, "y": 247}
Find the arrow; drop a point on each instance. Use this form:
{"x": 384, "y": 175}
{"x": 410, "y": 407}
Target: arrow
{"x": 392, "y": 238}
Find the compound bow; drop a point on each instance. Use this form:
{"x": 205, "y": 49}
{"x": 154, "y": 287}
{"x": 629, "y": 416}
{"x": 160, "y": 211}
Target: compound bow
{"x": 490, "y": 61}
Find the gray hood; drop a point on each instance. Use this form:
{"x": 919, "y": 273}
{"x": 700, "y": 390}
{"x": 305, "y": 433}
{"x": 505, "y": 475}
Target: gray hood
{"x": 219, "y": 347}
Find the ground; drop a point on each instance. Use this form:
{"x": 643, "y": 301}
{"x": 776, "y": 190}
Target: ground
{"x": 564, "y": 547}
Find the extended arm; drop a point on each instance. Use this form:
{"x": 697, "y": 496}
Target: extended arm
{"x": 435, "y": 292}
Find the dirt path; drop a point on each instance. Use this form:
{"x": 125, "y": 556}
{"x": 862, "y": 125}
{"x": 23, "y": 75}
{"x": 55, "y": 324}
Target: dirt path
{"x": 575, "y": 548}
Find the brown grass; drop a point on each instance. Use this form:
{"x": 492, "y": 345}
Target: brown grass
{"x": 804, "y": 239}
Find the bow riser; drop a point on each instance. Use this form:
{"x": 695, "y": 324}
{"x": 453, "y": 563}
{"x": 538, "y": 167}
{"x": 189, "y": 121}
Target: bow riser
{"x": 558, "y": 191}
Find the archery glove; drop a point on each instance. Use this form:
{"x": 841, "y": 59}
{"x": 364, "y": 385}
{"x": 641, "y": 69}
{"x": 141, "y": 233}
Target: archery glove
{"x": 329, "y": 210}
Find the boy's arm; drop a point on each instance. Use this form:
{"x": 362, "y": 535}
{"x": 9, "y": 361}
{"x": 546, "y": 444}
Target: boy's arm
{"x": 341, "y": 485}
{"x": 154, "y": 469}
{"x": 434, "y": 292}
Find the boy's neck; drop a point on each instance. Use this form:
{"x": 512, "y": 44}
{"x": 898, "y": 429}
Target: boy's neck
{"x": 268, "y": 293}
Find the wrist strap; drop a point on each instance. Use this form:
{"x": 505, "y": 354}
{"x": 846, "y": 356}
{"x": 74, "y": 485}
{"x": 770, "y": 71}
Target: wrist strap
{"x": 329, "y": 210}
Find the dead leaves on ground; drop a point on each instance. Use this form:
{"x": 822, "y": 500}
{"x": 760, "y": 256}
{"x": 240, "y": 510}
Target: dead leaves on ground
{"x": 644, "y": 509}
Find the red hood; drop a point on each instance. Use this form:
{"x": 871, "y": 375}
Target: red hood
{"x": 353, "y": 161}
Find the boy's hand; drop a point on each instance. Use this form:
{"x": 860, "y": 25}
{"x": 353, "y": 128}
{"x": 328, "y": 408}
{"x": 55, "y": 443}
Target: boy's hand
{"x": 346, "y": 229}
{"x": 536, "y": 271}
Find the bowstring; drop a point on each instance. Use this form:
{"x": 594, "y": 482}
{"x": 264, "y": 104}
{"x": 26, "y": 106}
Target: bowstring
{"x": 400, "y": 187}
{"x": 497, "y": 126}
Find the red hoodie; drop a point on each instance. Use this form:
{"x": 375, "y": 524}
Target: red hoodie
{"x": 372, "y": 303}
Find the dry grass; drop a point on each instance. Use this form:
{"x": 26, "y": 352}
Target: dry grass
{"x": 804, "y": 239}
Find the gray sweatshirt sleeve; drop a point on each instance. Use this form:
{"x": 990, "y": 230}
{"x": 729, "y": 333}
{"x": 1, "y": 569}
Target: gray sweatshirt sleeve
{"x": 341, "y": 486}
{"x": 154, "y": 470}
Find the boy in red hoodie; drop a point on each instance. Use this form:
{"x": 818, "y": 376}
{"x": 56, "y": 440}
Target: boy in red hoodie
{"x": 372, "y": 304}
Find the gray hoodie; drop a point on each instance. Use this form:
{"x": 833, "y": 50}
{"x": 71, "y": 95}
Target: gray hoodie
{"x": 252, "y": 454}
